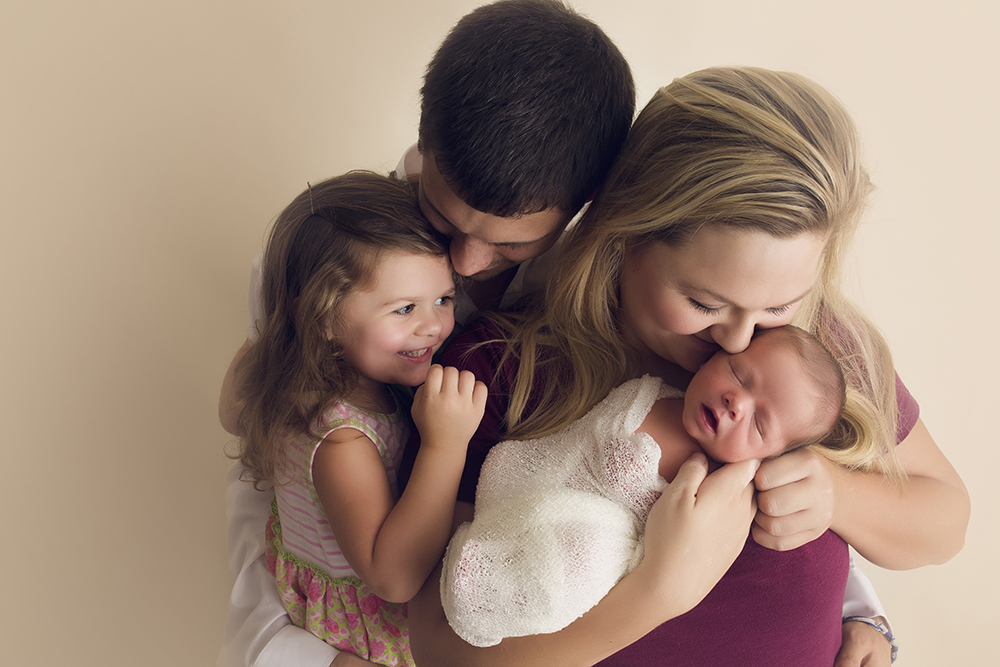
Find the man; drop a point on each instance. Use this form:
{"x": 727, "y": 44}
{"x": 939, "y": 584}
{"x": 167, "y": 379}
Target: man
{"x": 524, "y": 108}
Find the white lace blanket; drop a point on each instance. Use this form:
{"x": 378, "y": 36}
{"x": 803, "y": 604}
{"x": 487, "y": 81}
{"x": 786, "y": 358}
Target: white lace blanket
{"x": 558, "y": 522}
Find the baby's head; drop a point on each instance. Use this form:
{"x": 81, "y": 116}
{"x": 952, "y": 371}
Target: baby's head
{"x": 783, "y": 392}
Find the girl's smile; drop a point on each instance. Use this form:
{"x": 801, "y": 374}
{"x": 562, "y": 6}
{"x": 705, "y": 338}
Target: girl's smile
{"x": 390, "y": 330}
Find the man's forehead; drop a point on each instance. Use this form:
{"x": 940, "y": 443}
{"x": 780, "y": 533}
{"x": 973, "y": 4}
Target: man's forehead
{"x": 440, "y": 203}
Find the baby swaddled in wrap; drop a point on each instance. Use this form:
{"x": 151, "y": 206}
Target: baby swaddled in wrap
{"x": 558, "y": 521}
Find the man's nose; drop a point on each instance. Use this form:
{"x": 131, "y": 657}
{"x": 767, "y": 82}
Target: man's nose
{"x": 469, "y": 256}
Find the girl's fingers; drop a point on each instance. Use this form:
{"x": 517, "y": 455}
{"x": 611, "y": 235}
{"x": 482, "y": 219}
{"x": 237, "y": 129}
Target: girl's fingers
{"x": 435, "y": 377}
{"x": 466, "y": 382}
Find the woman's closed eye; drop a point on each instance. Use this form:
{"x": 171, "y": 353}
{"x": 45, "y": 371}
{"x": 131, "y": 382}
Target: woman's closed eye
{"x": 702, "y": 307}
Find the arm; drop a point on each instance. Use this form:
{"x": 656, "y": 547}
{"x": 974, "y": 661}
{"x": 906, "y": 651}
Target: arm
{"x": 862, "y": 644}
{"x": 921, "y": 521}
{"x": 229, "y": 409}
{"x": 694, "y": 533}
{"x": 393, "y": 546}
{"x": 258, "y": 630}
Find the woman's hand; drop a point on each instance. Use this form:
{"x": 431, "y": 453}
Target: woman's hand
{"x": 795, "y": 500}
{"x": 448, "y": 407}
{"x": 693, "y": 534}
{"x": 863, "y": 646}
{"x": 696, "y": 530}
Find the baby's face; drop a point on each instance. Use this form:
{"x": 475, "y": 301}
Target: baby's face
{"x": 752, "y": 405}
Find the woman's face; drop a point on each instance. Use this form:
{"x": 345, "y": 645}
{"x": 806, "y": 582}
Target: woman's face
{"x": 682, "y": 304}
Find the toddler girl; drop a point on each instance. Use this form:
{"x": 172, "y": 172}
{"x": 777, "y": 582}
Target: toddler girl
{"x": 357, "y": 293}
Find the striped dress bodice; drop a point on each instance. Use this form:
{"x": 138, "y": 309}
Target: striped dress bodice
{"x": 306, "y": 532}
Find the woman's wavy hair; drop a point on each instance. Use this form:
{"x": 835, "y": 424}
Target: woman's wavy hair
{"x": 734, "y": 148}
{"x": 327, "y": 243}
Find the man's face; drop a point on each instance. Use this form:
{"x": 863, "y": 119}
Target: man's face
{"x": 483, "y": 245}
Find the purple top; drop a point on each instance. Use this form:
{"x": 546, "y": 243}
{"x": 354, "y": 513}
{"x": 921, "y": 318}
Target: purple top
{"x": 770, "y": 608}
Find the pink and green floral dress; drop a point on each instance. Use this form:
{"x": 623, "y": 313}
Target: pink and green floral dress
{"x": 320, "y": 590}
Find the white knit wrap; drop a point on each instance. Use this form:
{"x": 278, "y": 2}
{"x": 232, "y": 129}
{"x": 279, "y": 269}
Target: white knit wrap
{"x": 558, "y": 521}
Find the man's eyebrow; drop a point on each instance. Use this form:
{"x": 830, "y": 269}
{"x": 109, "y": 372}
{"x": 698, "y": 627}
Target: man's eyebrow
{"x": 505, "y": 244}
{"x": 423, "y": 196}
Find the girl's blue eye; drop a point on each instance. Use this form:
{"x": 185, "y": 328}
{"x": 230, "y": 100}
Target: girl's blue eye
{"x": 702, "y": 307}
{"x": 405, "y": 310}
{"x": 443, "y": 301}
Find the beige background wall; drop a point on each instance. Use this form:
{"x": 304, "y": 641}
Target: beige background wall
{"x": 145, "y": 146}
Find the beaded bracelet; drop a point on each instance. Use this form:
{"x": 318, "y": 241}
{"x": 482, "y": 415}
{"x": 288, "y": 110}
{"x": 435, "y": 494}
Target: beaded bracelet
{"x": 881, "y": 627}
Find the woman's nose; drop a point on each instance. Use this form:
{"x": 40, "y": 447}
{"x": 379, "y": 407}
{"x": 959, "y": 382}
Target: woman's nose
{"x": 733, "y": 337}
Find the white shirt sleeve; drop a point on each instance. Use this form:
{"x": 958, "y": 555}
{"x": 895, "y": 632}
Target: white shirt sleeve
{"x": 410, "y": 164}
{"x": 860, "y": 598}
{"x": 259, "y": 632}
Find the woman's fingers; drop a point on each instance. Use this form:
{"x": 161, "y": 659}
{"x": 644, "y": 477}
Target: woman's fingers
{"x": 697, "y": 529}
{"x": 732, "y": 481}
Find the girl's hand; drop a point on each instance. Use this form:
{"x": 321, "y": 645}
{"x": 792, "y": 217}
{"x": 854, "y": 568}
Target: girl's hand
{"x": 448, "y": 407}
{"x": 696, "y": 530}
{"x": 795, "y": 500}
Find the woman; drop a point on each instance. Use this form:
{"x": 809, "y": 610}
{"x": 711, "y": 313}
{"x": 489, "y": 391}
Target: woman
{"x": 731, "y": 208}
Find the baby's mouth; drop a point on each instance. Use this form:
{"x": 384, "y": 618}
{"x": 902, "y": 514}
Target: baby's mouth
{"x": 711, "y": 421}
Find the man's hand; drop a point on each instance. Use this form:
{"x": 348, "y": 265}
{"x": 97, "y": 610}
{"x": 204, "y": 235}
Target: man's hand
{"x": 863, "y": 646}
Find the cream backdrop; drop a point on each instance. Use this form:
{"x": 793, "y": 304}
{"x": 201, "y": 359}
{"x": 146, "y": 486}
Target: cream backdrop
{"x": 146, "y": 146}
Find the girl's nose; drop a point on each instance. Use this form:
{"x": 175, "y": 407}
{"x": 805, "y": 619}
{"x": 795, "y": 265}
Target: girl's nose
{"x": 430, "y": 325}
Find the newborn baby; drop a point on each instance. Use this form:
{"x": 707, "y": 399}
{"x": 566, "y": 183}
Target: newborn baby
{"x": 559, "y": 519}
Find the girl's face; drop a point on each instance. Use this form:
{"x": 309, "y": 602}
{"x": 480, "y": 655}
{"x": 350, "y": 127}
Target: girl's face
{"x": 682, "y": 304}
{"x": 391, "y": 330}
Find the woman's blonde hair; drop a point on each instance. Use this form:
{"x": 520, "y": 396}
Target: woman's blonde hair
{"x": 327, "y": 243}
{"x": 735, "y": 148}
